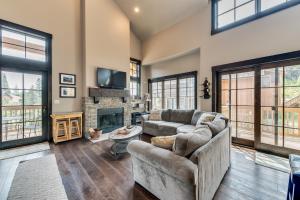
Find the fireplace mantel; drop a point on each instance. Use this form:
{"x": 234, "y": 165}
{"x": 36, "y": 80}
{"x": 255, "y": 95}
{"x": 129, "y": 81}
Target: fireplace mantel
{"x": 97, "y": 93}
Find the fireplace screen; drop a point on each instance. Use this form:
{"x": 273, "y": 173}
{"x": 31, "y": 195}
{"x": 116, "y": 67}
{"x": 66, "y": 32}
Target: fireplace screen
{"x": 109, "y": 119}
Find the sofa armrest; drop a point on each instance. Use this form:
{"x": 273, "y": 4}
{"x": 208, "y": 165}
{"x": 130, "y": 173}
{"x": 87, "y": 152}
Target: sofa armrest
{"x": 164, "y": 160}
{"x": 145, "y": 117}
{"x": 213, "y": 162}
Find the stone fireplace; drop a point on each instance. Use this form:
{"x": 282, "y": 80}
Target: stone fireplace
{"x": 92, "y": 109}
{"x": 109, "y": 119}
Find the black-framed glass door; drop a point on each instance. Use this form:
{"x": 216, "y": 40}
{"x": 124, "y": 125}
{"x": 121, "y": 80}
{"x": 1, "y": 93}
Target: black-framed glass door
{"x": 262, "y": 101}
{"x": 237, "y": 103}
{"x": 24, "y": 107}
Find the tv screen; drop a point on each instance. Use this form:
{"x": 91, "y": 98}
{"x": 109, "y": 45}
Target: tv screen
{"x": 107, "y": 78}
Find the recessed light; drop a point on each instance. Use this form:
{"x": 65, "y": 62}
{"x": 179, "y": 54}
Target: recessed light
{"x": 136, "y": 9}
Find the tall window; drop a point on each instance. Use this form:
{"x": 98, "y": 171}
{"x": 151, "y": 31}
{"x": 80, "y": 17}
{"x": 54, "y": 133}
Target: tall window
{"x": 135, "y": 77}
{"x": 170, "y": 94}
{"x": 22, "y": 45}
{"x": 174, "y": 92}
{"x": 157, "y": 95}
{"x": 187, "y": 93}
{"x": 231, "y": 13}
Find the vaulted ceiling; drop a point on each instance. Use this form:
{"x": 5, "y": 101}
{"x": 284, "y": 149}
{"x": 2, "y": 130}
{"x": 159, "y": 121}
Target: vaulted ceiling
{"x": 157, "y": 15}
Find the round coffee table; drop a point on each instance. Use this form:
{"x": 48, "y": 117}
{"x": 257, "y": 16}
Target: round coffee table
{"x": 121, "y": 141}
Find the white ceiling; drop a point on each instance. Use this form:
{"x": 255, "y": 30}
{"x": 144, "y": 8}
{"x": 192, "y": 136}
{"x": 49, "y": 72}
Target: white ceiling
{"x": 157, "y": 15}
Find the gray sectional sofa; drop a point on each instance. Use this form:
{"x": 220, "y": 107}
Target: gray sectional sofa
{"x": 172, "y": 177}
{"x": 173, "y": 122}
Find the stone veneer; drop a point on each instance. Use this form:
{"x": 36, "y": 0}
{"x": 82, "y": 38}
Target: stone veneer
{"x": 90, "y": 110}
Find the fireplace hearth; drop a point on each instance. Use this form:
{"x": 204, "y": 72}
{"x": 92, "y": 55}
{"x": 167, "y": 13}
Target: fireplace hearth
{"x": 109, "y": 119}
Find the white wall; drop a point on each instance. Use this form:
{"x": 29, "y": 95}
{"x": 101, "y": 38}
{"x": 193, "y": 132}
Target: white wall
{"x": 106, "y": 39}
{"x": 135, "y": 46}
{"x": 274, "y": 34}
{"x": 62, "y": 20}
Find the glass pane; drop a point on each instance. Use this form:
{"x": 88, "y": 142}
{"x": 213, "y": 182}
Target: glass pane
{"x": 11, "y": 80}
{"x": 245, "y": 114}
{"x": 269, "y": 116}
{"x": 33, "y": 54}
{"x": 245, "y": 80}
{"x": 225, "y": 82}
{"x": 233, "y": 81}
{"x": 233, "y": 113}
{"x": 32, "y": 97}
{"x": 292, "y": 75}
{"x": 225, "y": 5}
{"x": 245, "y": 10}
{"x": 292, "y": 117}
{"x": 13, "y": 50}
{"x": 12, "y": 114}
{"x": 32, "y": 129}
{"x": 233, "y": 129}
{"x": 271, "y": 135}
{"x": 233, "y": 97}
{"x": 292, "y": 138}
{"x": 35, "y": 43}
{"x": 225, "y": 111}
{"x": 268, "y": 96}
{"x": 245, "y": 97}
{"x": 269, "y": 76}
{"x": 245, "y": 131}
{"x": 240, "y": 2}
{"x": 12, "y": 97}
{"x": 225, "y": 97}
{"x": 292, "y": 96}
{"x": 13, "y": 38}
{"x": 12, "y": 132}
{"x": 266, "y": 4}
{"x": 32, "y": 81}
{"x": 32, "y": 113}
{"x": 225, "y": 19}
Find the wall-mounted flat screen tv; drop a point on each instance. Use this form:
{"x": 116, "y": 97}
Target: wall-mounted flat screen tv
{"x": 107, "y": 78}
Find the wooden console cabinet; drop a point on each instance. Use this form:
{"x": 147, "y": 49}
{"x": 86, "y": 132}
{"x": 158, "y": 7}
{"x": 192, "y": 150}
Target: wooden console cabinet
{"x": 66, "y": 126}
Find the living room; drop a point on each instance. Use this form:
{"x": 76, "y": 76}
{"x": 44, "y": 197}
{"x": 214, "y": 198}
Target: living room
{"x": 149, "y": 99}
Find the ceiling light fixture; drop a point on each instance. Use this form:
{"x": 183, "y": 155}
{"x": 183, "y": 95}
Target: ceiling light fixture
{"x": 136, "y": 9}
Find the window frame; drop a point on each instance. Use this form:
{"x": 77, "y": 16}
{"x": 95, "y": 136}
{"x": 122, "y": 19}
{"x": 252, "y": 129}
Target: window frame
{"x": 258, "y": 14}
{"x": 136, "y": 79}
{"x": 177, "y": 77}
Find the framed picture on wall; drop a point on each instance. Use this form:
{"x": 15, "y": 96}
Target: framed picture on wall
{"x": 67, "y": 79}
{"x": 67, "y": 92}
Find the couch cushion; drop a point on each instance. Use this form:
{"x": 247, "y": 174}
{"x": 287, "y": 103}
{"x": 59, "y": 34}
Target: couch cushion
{"x": 165, "y": 115}
{"x": 181, "y": 116}
{"x": 186, "y": 129}
{"x": 205, "y": 117}
{"x": 217, "y": 125}
{"x": 168, "y": 128}
{"x": 186, "y": 143}
{"x": 155, "y": 115}
{"x": 152, "y": 124}
{"x": 165, "y": 142}
{"x": 196, "y": 117}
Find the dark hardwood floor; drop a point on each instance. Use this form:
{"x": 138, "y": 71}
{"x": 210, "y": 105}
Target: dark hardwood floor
{"x": 90, "y": 172}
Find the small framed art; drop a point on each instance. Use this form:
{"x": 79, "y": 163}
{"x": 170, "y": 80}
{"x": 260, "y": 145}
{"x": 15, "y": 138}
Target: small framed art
{"x": 67, "y": 79}
{"x": 67, "y": 92}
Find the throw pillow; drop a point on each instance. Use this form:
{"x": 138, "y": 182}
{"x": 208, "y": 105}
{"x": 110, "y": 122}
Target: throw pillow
{"x": 165, "y": 142}
{"x": 205, "y": 117}
{"x": 196, "y": 117}
{"x": 186, "y": 143}
{"x": 155, "y": 115}
{"x": 216, "y": 126}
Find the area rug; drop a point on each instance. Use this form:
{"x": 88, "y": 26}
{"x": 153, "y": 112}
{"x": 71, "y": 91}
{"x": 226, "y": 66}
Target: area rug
{"x": 19, "y": 151}
{"x": 103, "y": 137}
{"x": 271, "y": 161}
{"x": 38, "y": 179}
